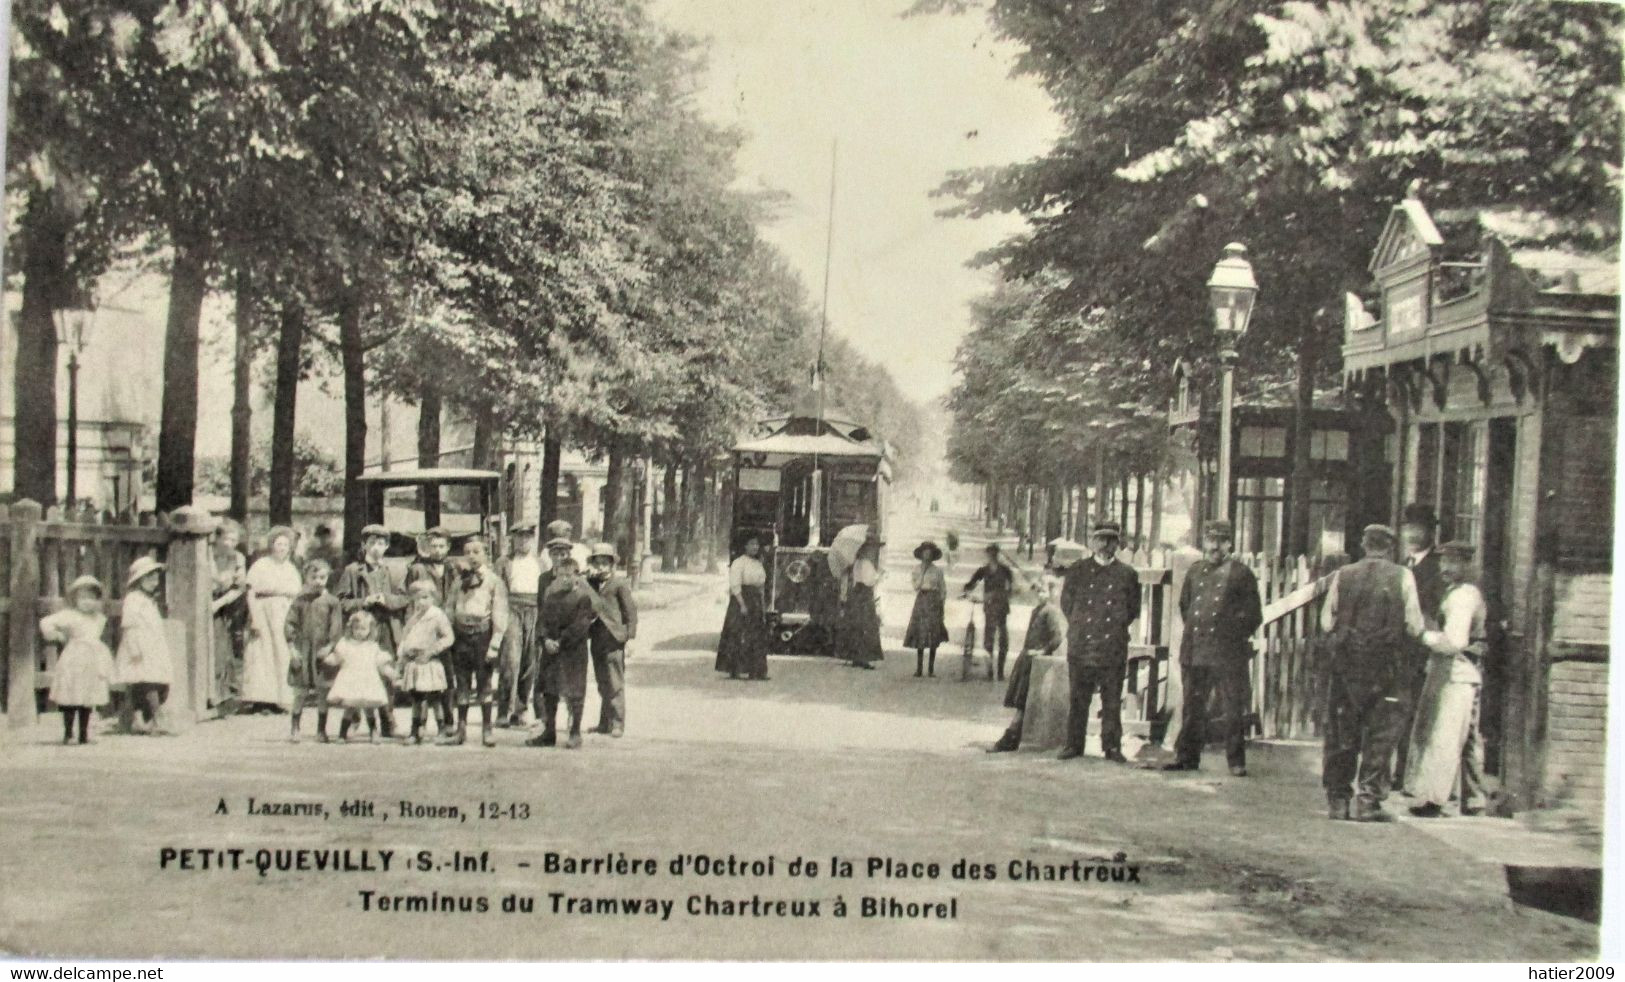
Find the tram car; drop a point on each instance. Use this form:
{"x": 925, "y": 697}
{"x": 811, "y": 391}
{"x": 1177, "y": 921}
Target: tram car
{"x": 797, "y": 483}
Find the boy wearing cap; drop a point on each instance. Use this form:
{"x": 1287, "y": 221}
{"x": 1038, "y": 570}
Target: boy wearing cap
{"x": 1220, "y": 604}
{"x": 367, "y": 584}
{"x": 1100, "y": 598}
{"x": 564, "y": 624}
{"x": 616, "y": 624}
{"x": 1371, "y": 616}
{"x": 1446, "y": 740}
{"x": 479, "y": 619}
{"x": 521, "y": 572}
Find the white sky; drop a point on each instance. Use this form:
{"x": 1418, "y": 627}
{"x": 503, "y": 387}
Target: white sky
{"x": 900, "y": 96}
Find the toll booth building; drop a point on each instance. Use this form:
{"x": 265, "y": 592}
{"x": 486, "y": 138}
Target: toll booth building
{"x": 1499, "y": 369}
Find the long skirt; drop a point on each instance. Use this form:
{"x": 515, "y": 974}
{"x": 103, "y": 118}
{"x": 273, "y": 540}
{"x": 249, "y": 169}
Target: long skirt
{"x": 857, "y": 636}
{"x": 1444, "y": 718}
{"x": 1021, "y": 676}
{"x": 926, "y": 626}
{"x": 742, "y": 649}
{"x": 266, "y": 658}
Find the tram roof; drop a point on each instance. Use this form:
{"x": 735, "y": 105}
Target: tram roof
{"x": 823, "y": 445}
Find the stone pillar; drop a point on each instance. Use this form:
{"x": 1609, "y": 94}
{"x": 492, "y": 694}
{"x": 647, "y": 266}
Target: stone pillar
{"x": 190, "y": 594}
{"x": 1179, "y": 562}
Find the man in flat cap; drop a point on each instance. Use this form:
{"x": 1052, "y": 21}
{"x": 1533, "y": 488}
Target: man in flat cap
{"x": 998, "y": 581}
{"x": 1100, "y": 597}
{"x": 521, "y": 571}
{"x": 617, "y": 624}
{"x": 1417, "y": 526}
{"x": 432, "y": 565}
{"x": 367, "y": 584}
{"x": 1371, "y": 616}
{"x": 1446, "y": 742}
{"x": 557, "y": 547}
{"x": 1220, "y": 605}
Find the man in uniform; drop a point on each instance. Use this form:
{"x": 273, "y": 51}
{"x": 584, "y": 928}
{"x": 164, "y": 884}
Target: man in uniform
{"x": 521, "y": 571}
{"x": 479, "y": 619}
{"x": 617, "y": 624}
{"x": 1219, "y": 602}
{"x": 431, "y": 565}
{"x": 1416, "y": 532}
{"x": 997, "y": 582}
{"x": 1046, "y": 633}
{"x": 367, "y": 584}
{"x": 1100, "y": 597}
{"x": 1372, "y": 617}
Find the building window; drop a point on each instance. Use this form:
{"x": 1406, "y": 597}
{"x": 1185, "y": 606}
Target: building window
{"x": 1328, "y": 516}
{"x": 1466, "y": 467}
{"x": 1329, "y": 445}
{"x": 1260, "y": 507}
{"x": 1426, "y": 471}
{"x": 1263, "y": 441}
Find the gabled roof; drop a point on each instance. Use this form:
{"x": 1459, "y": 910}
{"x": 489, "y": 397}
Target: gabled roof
{"x": 1407, "y": 220}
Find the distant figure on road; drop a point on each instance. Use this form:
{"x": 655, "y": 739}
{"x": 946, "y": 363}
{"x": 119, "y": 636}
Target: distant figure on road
{"x": 857, "y": 633}
{"x": 927, "y": 630}
{"x": 997, "y": 581}
{"x": 1371, "y": 614}
{"x": 742, "y": 649}
{"x": 1046, "y": 633}
{"x": 1446, "y": 741}
{"x": 1220, "y": 606}
{"x": 1101, "y": 598}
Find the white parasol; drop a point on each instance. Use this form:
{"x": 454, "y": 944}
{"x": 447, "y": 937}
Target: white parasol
{"x": 843, "y": 551}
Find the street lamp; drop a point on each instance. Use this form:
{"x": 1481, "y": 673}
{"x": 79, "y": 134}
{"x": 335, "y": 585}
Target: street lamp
{"x": 1231, "y": 291}
{"x": 72, "y": 326}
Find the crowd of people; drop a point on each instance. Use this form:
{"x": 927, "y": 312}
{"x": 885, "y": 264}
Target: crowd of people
{"x": 514, "y": 637}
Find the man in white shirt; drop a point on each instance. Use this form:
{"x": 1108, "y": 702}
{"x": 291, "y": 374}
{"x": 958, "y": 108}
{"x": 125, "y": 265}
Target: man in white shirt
{"x": 521, "y": 571}
{"x": 1446, "y": 741}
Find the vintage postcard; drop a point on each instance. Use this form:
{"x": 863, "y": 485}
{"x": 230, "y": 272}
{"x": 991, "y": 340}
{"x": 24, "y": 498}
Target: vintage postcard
{"x": 809, "y": 480}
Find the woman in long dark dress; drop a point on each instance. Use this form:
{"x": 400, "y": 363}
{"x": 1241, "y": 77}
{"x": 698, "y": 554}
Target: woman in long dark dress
{"x": 742, "y": 650}
{"x": 857, "y": 636}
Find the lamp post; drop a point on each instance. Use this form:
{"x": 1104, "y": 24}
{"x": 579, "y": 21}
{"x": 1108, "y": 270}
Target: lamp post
{"x": 73, "y": 325}
{"x": 1231, "y": 292}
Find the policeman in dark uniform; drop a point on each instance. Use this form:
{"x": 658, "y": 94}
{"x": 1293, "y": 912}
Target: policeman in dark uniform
{"x": 1100, "y": 597}
{"x": 1416, "y": 532}
{"x": 1221, "y": 608}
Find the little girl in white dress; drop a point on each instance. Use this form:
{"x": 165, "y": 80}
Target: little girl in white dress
{"x": 84, "y": 670}
{"x": 359, "y": 685}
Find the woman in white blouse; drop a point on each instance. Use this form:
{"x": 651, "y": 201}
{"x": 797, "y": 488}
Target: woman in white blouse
{"x": 273, "y": 583}
{"x": 742, "y": 650}
{"x": 857, "y": 635}
{"x": 926, "y": 627}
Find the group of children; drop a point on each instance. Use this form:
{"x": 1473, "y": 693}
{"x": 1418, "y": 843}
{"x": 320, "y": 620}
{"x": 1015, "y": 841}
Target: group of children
{"x": 436, "y": 636}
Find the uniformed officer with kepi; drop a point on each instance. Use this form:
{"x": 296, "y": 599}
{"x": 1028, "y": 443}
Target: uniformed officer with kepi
{"x": 1219, "y": 602}
{"x": 1100, "y": 597}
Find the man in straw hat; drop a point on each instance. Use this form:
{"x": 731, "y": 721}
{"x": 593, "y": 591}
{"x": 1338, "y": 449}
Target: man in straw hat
{"x": 1219, "y": 603}
{"x": 1371, "y": 616}
{"x": 367, "y": 584}
{"x": 1100, "y": 598}
{"x": 1446, "y": 742}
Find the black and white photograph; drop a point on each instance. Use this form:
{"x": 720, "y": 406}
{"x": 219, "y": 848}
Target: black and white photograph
{"x": 989, "y": 481}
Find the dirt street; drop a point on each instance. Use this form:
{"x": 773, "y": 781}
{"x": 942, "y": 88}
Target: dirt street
{"x": 821, "y": 761}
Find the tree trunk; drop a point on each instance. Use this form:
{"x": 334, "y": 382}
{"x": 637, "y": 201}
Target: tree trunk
{"x": 290, "y": 339}
{"x": 552, "y": 450}
{"x": 353, "y": 355}
{"x": 707, "y": 531}
{"x": 668, "y": 527}
{"x": 242, "y": 434}
{"x": 614, "y": 489}
{"x": 1054, "y": 499}
{"x": 1303, "y": 401}
{"x": 429, "y": 449}
{"x": 685, "y": 517}
{"x": 634, "y": 522}
{"x": 484, "y": 455}
{"x": 44, "y": 266}
{"x": 177, "y": 428}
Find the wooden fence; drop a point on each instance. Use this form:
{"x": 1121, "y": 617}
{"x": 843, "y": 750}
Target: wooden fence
{"x": 1287, "y": 674}
{"x": 40, "y": 554}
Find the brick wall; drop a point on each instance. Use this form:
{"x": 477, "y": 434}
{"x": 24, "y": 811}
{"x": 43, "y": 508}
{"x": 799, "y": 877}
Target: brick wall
{"x": 1577, "y": 736}
{"x": 1580, "y": 608}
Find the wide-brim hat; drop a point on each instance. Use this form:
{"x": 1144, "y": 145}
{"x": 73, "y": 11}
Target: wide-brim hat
{"x": 602, "y": 550}
{"x": 140, "y": 568}
{"x": 1459, "y": 550}
{"x": 1419, "y": 514}
{"x": 927, "y": 550}
{"x": 86, "y": 582}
